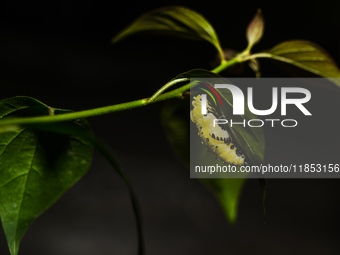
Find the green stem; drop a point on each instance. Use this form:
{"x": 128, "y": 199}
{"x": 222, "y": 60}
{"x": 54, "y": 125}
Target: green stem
{"x": 225, "y": 65}
{"x": 221, "y": 54}
{"x": 106, "y": 153}
{"x": 177, "y": 93}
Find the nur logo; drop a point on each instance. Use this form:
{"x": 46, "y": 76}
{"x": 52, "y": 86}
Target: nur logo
{"x": 239, "y": 101}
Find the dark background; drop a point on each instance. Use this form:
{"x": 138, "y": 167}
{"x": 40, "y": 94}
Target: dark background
{"x": 60, "y": 53}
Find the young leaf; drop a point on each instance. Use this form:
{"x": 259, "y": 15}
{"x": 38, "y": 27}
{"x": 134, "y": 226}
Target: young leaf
{"x": 173, "y": 20}
{"x": 255, "y": 29}
{"x": 36, "y": 167}
{"x": 306, "y": 55}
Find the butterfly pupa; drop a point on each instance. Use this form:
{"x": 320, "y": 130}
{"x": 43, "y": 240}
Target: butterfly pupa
{"x": 215, "y": 138}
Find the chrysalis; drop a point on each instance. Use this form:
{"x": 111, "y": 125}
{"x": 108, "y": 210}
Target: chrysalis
{"x": 215, "y": 138}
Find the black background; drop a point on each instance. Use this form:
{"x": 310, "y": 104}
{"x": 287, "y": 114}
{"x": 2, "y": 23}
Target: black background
{"x": 60, "y": 53}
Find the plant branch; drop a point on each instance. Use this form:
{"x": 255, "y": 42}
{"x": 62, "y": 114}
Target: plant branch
{"x": 157, "y": 97}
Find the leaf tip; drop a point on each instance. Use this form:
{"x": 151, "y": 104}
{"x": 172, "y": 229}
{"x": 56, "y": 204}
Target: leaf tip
{"x": 14, "y": 250}
{"x": 114, "y": 39}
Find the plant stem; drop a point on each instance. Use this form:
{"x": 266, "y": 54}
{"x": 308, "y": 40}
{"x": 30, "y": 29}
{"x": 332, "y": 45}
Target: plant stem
{"x": 109, "y": 157}
{"x": 225, "y": 65}
{"x": 177, "y": 93}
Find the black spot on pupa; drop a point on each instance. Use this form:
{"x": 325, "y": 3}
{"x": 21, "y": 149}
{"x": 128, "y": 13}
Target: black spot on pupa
{"x": 202, "y": 133}
{"x": 200, "y": 127}
{"x": 216, "y": 146}
{"x": 238, "y": 152}
{"x": 242, "y": 156}
{"x": 228, "y": 141}
{"x": 232, "y": 146}
{"x": 213, "y": 135}
{"x": 217, "y": 138}
{"x": 207, "y": 139}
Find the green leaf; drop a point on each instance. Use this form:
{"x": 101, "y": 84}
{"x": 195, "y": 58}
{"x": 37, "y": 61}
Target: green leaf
{"x": 175, "y": 119}
{"x": 306, "y": 55}
{"x": 175, "y": 122}
{"x": 228, "y": 193}
{"x": 173, "y": 20}
{"x": 255, "y": 29}
{"x": 36, "y": 167}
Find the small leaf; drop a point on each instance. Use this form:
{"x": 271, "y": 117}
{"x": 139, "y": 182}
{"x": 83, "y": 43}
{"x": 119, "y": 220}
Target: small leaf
{"x": 36, "y": 167}
{"x": 306, "y": 55}
{"x": 255, "y": 29}
{"x": 173, "y": 20}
